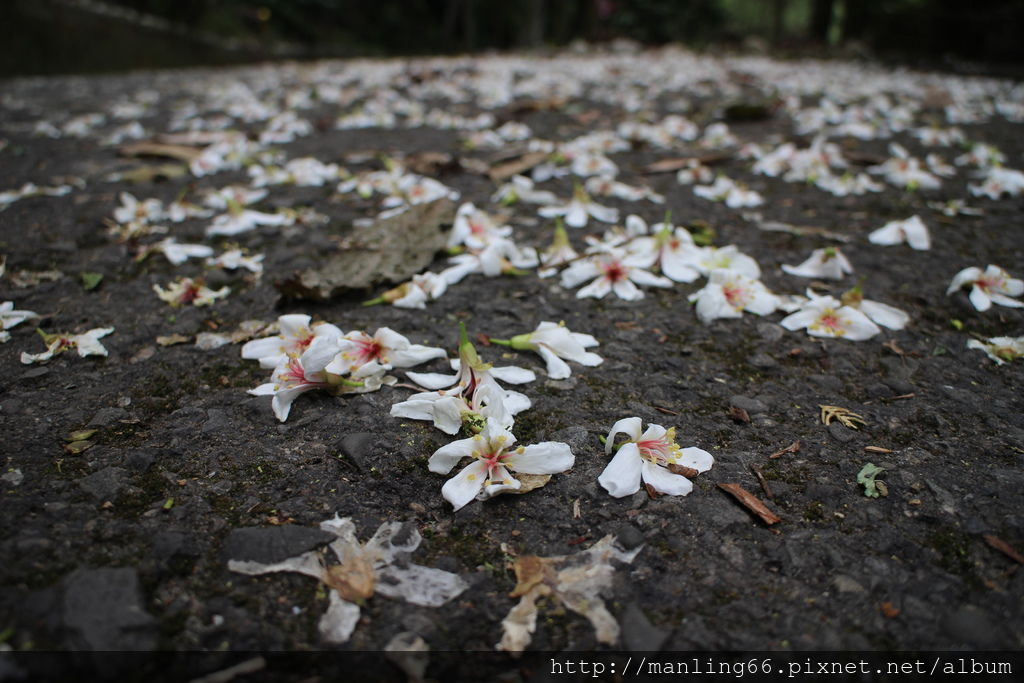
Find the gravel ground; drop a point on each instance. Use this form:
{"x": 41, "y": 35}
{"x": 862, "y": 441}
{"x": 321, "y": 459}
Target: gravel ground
{"x": 125, "y": 543}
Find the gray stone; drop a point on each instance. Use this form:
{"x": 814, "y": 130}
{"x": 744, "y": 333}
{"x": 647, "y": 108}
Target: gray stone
{"x": 356, "y": 447}
{"x": 102, "y": 610}
{"x": 900, "y": 387}
{"x": 105, "y": 484}
{"x": 34, "y": 374}
{"x": 840, "y": 433}
{"x": 216, "y": 421}
{"x": 273, "y": 544}
{"x": 751, "y": 405}
{"x": 770, "y": 332}
{"x": 169, "y": 544}
{"x": 878, "y": 390}
{"x": 827, "y": 382}
{"x": 845, "y": 584}
{"x": 106, "y": 417}
{"x": 139, "y": 461}
{"x": 762, "y": 361}
{"x": 638, "y": 634}
{"x": 562, "y": 384}
{"x": 578, "y": 439}
{"x": 972, "y": 626}
{"x": 629, "y": 536}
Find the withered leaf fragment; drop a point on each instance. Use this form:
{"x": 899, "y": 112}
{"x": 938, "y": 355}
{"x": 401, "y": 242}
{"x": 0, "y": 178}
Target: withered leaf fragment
{"x": 378, "y": 566}
{"x": 574, "y": 581}
{"x": 391, "y": 250}
{"x": 846, "y": 417}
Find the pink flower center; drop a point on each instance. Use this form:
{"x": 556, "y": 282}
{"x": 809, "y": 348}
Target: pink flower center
{"x": 294, "y": 374}
{"x": 736, "y": 296}
{"x": 987, "y": 284}
{"x": 189, "y": 294}
{"x": 369, "y": 349}
{"x": 831, "y": 321}
{"x": 614, "y": 271}
{"x": 655, "y": 450}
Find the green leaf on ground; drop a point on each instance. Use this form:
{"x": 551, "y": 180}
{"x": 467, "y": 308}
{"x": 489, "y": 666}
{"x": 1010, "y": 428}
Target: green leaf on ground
{"x": 91, "y": 281}
{"x": 867, "y": 476}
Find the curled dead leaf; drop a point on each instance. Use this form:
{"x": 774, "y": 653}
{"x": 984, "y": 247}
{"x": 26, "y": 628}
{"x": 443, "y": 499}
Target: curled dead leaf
{"x": 172, "y": 339}
{"x": 687, "y": 472}
{"x": 80, "y": 435}
{"x": 76, "y": 447}
{"x": 527, "y": 483}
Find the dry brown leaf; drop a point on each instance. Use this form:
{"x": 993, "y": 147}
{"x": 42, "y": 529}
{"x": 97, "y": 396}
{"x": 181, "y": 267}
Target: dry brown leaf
{"x": 575, "y": 581}
{"x": 739, "y": 414}
{"x": 390, "y": 251}
{"x": 678, "y": 163}
{"x": 1005, "y": 548}
{"x": 80, "y": 435}
{"x": 76, "y": 447}
{"x": 530, "y": 570}
{"x": 791, "y": 448}
{"x": 527, "y": 483}
{"x": 172, "y": 339}
{"x": 889, "y": 610}
{"x": 151, "y": 173}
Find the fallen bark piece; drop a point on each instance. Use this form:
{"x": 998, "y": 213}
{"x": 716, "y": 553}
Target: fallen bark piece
{"x": 751, "y": 502}
{"x": 762, "y": 481}
{"x": 1005, "y": 548}
{"x": 791, "y": 448}
{"x": 391, "y": 250}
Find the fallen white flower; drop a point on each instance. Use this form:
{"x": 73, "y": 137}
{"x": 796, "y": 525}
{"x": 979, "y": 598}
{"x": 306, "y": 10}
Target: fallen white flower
{"x": 377, "y": 567}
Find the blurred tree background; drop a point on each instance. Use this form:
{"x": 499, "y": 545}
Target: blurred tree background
{"x": 58, "y": 36}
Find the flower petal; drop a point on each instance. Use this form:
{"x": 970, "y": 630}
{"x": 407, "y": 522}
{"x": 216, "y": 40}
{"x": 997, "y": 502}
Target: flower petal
{"x": 884, "y": 315}
{"x": 697, "y": 458}
{"x": 548, "y": 457}
{"x": 980, "y": 298}
{"x": 630, "y": 426}
{"x": 432, "y": 380}
{"x": 513, "y": 374}
{"x": 464, "y": 486}
{"x": 556, "y": 367}
{"x": 448, "y": 456}
{"x": 663, "y": 481}
{"x": 622, "y": 475}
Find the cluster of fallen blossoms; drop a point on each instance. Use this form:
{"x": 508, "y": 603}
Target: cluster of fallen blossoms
{"x": 825, "y": 104}
{"x": 307, "y": 356}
